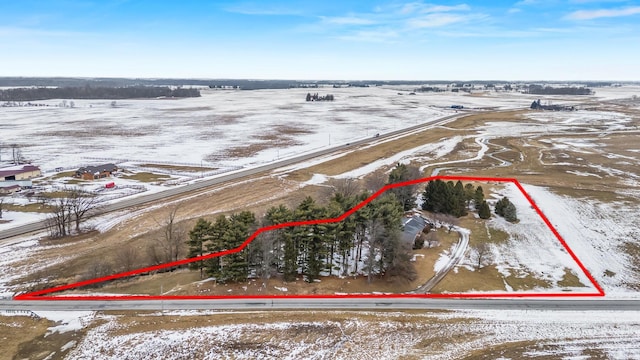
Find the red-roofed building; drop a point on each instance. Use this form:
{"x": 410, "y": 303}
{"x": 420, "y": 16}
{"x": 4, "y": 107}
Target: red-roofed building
{"x": 19, "y": 172}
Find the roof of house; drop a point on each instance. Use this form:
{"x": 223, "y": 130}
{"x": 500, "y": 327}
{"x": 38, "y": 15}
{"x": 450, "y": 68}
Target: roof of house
{"x": 98, "y": 168}
{"x": 412, "y": 227}
{"x": 18, "y": 169}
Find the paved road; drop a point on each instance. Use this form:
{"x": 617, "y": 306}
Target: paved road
{"x": 37, "y": 226}
{"x": 345, "y": 303}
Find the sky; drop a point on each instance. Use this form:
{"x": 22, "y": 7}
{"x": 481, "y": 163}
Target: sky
{"x": 322, "y": 39}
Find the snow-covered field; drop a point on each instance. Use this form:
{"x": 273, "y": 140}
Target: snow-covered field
{"x": 202, "y": 129}
{"x": 571, "y": 335}
{"x": 597, "y": 233}
{"x": 192, "y": 131}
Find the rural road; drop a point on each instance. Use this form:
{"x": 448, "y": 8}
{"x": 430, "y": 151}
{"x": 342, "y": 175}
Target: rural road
{"x": 40, "y": 225}
{"x": 337, "y": 304}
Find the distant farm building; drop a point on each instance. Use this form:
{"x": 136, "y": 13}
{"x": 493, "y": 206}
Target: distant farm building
{"x": 96, "y": 172}
{"x": 8, "y": 190}
{"x": 19, "y": 172}
{"x": 537, "y": 105}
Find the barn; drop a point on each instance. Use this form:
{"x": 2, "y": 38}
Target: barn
{"x": 19, "y": 172}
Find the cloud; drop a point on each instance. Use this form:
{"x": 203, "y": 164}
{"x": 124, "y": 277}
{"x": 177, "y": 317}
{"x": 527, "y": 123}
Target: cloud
{"x": 252, "y": 9}
{"x": 11, "y": 32}
{"x": 394, "y": 22}
{"x": 603, "y": 13}
{"x": 421, "y": 8}
{"x": 436, "y": 20}
{"x": 347, "y": 20}
{"x": 377, "y": 36}
{"x": 525, "y": 3}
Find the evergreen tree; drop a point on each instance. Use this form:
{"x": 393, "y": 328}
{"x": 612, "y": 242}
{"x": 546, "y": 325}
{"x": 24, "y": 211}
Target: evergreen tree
{"x": 469, "y": 191}
{"x": 484, "y": 212}
{"x": 478, "y": 197}
{"x": 279, "y": 215}
{"x": 506, "y": 209}
{"x": 345, "y": 230}
{"x": 510, "y": 212}
{"x": 405, "y": 194}
{"x": 435, "y": 196}
{"x": 235, "y": 265}
{"x": 310, "y": 239}
{"x": 383, "y": 230}
{"x": 216, "y": 244}
{"x": 459, "y": 200}
{"x": 197, "y": 239}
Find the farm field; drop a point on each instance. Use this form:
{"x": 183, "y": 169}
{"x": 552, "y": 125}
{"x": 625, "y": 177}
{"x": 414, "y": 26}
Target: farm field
{"x": 579, "y": 167}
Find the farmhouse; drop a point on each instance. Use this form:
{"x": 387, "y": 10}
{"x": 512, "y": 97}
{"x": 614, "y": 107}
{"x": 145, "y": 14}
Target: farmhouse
{"x": 19, "y": 172}
{"x": 96, "y": 172}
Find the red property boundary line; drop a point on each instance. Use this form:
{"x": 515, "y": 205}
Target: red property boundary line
{"x": 39, "y": 295}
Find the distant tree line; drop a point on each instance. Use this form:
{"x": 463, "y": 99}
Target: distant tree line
{"x": 316, "y": 97}
{"x": 91, "y": 92}
{"x": 549, "y": 90}
{"x": 429, "y": 89}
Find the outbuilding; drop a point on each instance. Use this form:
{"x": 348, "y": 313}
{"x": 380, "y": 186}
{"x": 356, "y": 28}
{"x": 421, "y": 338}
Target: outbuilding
{"x": 19, "y": 172}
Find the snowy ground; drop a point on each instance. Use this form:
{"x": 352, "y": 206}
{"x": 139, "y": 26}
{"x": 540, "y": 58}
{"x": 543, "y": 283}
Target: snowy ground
{"x": 158, "y": 129}
{"x": 531, "y": 249}
{"x": 597, "y": 233}
{"x": 571, "y": 335}
{"x": 201, "y": 129}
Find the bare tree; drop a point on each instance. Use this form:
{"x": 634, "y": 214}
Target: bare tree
{"x": 69, "y": 210}
{"x": 1, "y": 207}
{"x": 59, "y": 221}
{"x": 347, "y": 187}
{"x": 170, "y": 244}
{"x": 483, "y": 255}
{"x": 376, "y": 181}
{"x": 16, "y": 153}
{"x": 127, "y": 257}
{"x": 81, "y": 204}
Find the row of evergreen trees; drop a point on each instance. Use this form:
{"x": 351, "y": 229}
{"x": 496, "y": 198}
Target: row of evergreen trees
{"x": 455, "y": 199}
{"x": 451, "y": 198}
{"x": 371, "y": 237}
